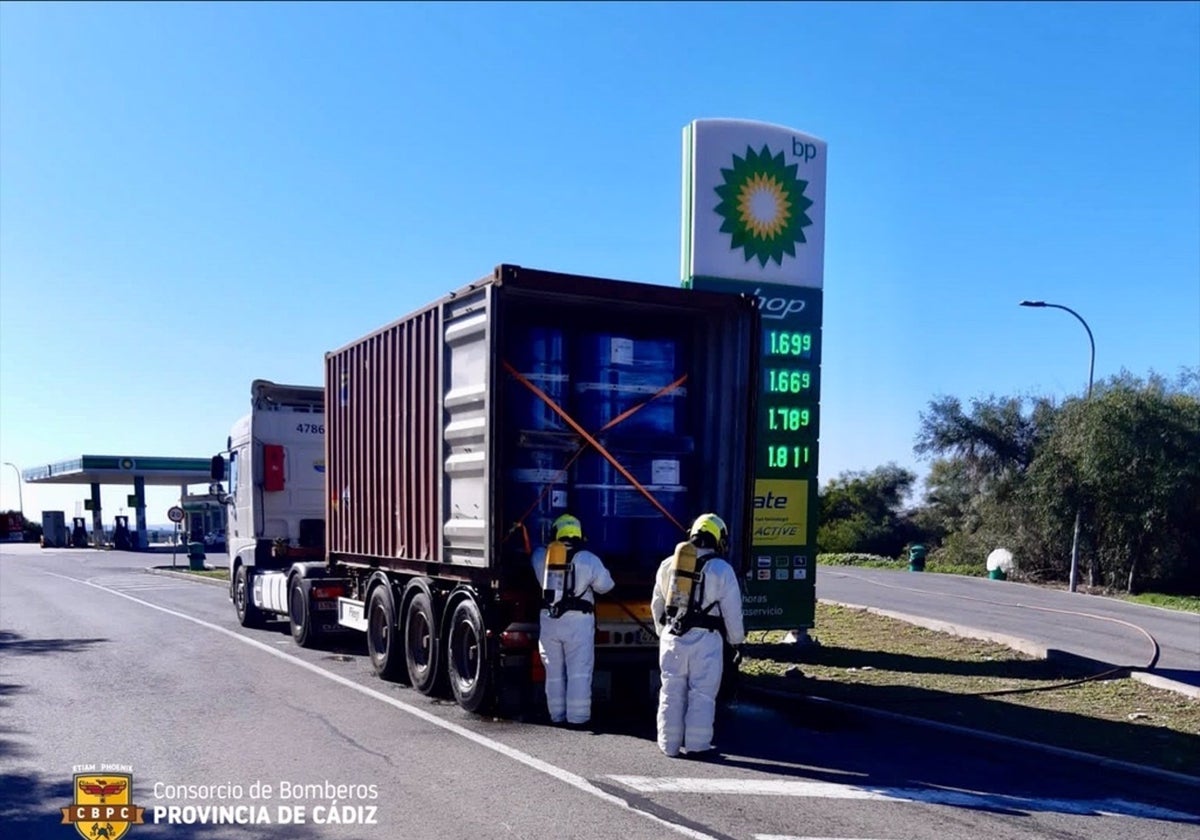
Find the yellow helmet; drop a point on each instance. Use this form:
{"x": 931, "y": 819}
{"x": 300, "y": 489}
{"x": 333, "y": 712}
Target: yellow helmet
{"x": 709, "y": 531}
{"x": 567, "y": 527}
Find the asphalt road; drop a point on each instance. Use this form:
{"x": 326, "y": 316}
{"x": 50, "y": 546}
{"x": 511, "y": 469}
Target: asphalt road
{"x": 1108, "y": 630}
{"x": 103, "y": 663}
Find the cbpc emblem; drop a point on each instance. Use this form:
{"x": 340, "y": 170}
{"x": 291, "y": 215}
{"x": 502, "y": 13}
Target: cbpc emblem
{"x": 103, "y": 806}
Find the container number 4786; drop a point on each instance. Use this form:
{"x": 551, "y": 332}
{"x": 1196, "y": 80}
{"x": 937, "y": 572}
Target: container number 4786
{"x": 310, "y": 428}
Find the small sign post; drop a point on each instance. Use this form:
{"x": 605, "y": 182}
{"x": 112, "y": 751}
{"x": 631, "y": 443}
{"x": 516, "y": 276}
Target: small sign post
{"x": 175, "y": 514}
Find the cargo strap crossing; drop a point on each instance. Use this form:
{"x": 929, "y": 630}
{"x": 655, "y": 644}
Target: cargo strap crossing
{"x": 608, "y": 456}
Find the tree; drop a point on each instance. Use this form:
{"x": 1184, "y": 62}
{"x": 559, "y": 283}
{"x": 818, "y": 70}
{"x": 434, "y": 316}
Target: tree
{"x": 862, "y": 511}
{"x": 1134, "y": 452}
{"x": 1128, "y": 458}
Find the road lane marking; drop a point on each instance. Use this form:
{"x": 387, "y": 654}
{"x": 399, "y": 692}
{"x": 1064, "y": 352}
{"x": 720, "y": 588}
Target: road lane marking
{"x": 794, "y": 837}
{"x": 144, "y": 587}
{"x": 1110, "y": 807}
{"x": 554, "y": 771}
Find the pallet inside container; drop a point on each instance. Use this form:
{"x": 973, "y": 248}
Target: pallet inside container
{"x": 624, "y": 378}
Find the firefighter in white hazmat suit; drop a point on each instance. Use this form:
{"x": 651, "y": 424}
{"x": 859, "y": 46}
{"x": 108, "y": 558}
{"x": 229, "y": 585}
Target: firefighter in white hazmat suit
{"x": 696, "y": 600}
{"x": 567, "y": 639}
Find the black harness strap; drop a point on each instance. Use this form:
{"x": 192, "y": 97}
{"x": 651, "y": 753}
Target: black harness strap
{"x": 569, "y": 602}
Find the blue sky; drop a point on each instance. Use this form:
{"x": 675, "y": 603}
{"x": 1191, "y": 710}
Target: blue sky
{"x": 193, "y": 196}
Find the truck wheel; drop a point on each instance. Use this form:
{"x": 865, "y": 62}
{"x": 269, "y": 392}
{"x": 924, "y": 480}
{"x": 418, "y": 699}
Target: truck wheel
{"x": 421, "y": 646}
{"x": 467, "y": 657}
{"x": 304, "y": 629}
{"x": 243, "y": 602}
{"x": 383, "y": 642}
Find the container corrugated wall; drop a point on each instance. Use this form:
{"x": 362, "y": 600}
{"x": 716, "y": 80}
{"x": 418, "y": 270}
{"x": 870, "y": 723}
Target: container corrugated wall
{"x": 382, "y": 439}
{"x": 437, "y": 456}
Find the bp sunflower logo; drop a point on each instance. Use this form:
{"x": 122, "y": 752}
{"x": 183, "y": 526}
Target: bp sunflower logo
{"x": 763, "y": 206}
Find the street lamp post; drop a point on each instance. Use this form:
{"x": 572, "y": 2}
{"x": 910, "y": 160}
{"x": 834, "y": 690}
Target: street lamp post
{"x": 1074, "y": 579}
{"x": 20, "y": 494}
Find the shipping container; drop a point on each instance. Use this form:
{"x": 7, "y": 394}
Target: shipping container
{"x": 438, "y": 454}
{"x": 455, "y": 435}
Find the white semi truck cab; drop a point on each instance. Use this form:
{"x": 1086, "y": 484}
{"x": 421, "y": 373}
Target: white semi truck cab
{"x": 275, "y": 467}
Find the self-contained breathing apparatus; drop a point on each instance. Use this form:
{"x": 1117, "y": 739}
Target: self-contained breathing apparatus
{"x": 558, "y": 582}
{"x": 685, "y": 595}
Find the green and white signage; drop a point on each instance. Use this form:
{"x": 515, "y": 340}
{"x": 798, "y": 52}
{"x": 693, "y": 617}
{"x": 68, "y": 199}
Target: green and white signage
{"x": 753, "y": 203}
{"x": 754, "y": 222}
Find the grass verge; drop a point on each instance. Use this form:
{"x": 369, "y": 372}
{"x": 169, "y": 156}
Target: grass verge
{"x": 882, "y": 663}
{"x": 1186, "y": 603}
{"x": 219, "y": 574}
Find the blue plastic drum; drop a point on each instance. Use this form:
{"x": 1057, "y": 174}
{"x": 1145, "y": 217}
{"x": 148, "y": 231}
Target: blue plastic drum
{"x": 539, "y": 358}
{"x": 614, "y": 373}
{"x": 538, "y": 476}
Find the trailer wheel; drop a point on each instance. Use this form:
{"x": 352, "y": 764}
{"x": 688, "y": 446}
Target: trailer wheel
{"x": 383, "y": 642}
{"x": 467, "y": 657}
{"x": 243, "y": 602}
{"x": 304, "y": 629}
{"x": 421, "y": 646}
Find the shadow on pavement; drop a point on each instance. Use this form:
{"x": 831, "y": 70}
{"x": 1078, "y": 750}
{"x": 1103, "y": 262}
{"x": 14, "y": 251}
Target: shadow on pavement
{"x": 14, "y": 644}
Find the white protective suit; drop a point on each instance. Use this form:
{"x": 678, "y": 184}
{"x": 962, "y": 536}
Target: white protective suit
{"x": 567, "y": 644}
{"x": 691, "y": 664}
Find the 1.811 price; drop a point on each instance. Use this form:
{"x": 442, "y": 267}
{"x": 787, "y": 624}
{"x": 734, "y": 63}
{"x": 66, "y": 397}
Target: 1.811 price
{"x": 784, "y": 457}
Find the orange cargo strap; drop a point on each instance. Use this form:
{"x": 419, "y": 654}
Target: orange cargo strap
{"x": 570, "y": 421}
{"x": 666, "y": 389}
{"x": 520, "y": 523}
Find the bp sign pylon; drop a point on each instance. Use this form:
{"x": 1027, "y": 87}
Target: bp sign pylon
{"x": 754, "y": 222}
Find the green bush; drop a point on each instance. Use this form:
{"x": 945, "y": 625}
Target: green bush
{"x": 869, "y": 561}
{"x": 936, "y": 563}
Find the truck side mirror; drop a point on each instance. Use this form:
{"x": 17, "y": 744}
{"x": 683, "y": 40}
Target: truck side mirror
{"x": 217, "y": 470}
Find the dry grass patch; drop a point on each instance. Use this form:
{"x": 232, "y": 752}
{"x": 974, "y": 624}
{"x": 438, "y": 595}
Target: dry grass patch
{"x": 887, "y": 664}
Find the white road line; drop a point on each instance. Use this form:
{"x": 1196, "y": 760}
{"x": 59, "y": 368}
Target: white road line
{"x": 530, "y": 761}
{"x": 143, "y": 587}
{"x": 793, "y": 837}
{"x": 930, "y": 796}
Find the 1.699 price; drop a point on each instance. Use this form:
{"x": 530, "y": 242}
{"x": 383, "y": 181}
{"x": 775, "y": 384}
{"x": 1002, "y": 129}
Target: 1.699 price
{"x": 787, "y": 343}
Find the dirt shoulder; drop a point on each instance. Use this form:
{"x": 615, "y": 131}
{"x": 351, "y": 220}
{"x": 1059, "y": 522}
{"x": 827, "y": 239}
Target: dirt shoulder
{"x": 886, "y": 664}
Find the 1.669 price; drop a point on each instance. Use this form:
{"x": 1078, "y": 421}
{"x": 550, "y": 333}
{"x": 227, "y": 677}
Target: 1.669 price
{"x": 788, "y": 381}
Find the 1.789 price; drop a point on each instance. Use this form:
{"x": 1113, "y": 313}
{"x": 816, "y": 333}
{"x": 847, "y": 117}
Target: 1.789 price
{"x": 788, "y": 419}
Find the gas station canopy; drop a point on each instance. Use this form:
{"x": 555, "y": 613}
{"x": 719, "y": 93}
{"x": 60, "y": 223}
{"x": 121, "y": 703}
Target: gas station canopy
{"x": 122, "y": 469}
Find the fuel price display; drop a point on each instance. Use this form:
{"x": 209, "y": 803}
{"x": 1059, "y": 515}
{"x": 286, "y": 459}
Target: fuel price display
{"x": 779, "y": 578}
{"x": 788, "y": 400}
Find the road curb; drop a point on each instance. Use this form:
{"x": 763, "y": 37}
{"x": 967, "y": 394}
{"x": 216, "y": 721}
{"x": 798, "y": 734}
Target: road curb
{"x": 1155, "y": 681}
{"x": 187, "y": 576}
{"x": 776, "y": 697}
{"x": 1024, "y": 646}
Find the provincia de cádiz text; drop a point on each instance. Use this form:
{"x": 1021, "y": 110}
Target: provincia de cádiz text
{"x": 264, "y": 803}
